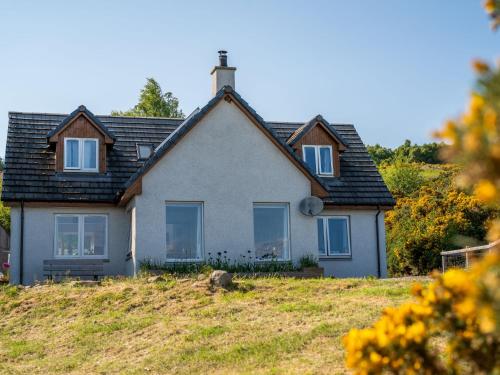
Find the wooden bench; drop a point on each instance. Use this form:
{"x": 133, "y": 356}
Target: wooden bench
{"x": 55, "y": 269}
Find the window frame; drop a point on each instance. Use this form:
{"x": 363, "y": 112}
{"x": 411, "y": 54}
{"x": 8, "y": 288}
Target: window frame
{"x": 81, "y": 237}
{"x": 326, "y": 237}
{"x": 202, "y": 231}
{"x": 81, "y": 154}
{"x": 317, "y": 156}
{"x": 138, "y": 150}
{"x": 289, "y": 235}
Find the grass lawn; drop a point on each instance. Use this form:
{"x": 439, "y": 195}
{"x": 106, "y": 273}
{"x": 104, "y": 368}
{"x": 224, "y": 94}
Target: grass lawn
{"x": 178, "y": 326}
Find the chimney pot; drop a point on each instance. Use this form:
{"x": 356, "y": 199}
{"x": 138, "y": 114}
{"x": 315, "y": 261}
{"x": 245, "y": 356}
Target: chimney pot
{"x": 222, "y": 58}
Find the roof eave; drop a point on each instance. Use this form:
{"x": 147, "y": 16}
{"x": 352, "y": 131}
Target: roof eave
{"x": 302, "y": 131}
{"x": 81, "y": 110}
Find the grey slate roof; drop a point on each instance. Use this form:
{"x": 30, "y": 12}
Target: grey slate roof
{"x": 30, "y": 161}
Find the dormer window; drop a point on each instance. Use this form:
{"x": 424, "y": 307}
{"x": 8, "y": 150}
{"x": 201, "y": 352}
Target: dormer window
{"x": 319, "y": 159}
{"x": 81, "y": 154}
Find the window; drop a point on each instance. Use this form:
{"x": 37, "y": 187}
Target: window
{"x": 184, "y": 231}
{"x": 334, "y": 236}
{"x": 144, "y": 151}
{"x": 81, "y": 154}
{"x": 319, "y": 159}
{"x": 84, "y": 236}
{"x": 271, "y": 231}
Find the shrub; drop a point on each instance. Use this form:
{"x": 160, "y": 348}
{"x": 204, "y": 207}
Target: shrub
{"x": 460, "y": 307}
{"x": 402, "y": 179}
{"x": 220, "y": 262}
{"x": 438, "y": 217}
{"x": 308, "y": 261}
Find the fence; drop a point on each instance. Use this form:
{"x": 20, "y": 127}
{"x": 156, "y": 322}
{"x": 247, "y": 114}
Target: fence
{"x": 462, "y": 258}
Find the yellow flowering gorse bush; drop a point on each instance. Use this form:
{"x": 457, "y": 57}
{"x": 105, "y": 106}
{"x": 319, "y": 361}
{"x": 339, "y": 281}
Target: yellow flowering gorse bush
{"x": 453, "y": 326}
{"x": 461, "y": 307}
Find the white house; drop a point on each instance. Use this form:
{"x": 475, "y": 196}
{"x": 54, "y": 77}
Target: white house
{"x": 120, "y": 190}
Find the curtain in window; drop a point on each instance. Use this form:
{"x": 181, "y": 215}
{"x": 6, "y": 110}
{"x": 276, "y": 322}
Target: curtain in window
{"x": 310, "y": 158}
{"x": 271, "y": 231}
{"x": 325, "y": 160}
{"x": 89, "y": 154}
{"x": 94, "y": 234}
{"x": 67, "y": 236}
{"x": 338, "y": 236}
{"x": 183, "y": 231}
{"x": 72, "y": 153}
{"x": 321, "y": 237}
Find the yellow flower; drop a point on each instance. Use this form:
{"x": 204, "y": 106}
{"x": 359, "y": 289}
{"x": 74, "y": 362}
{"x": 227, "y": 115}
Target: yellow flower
{"x": 465, "y": 308}
{"x": 476, "y": 103}
{"x": 416, "y": 289}
{"x": 480, "y": 66}
{"x": 486, "y": 191}
{"x": 375, "y": 357}
{"x": 472, "y": 142}
{"x": 490, "y": 120}
{"x": 486, "y": 320}
{"x": 490, "y": 6}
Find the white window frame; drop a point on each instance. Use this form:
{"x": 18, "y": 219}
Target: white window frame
{"x": 289, "y": 244}
{"x": 326, "y": 236}
{"x": 81, "y": 236}
{"x": 202, "y": 234}
{"x": 317, "y": 156}
{"x": 81, "y": 152}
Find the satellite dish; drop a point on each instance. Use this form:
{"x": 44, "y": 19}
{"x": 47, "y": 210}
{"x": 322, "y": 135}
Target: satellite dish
{"x": 311, "y": 206}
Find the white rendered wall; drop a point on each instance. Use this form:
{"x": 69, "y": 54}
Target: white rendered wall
{"x": 363, "y": 260}
{"x": 39, "y": 231}
{"x": 227, "y": 163}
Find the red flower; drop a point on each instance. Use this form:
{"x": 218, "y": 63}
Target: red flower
{"x": 6, "y": 265}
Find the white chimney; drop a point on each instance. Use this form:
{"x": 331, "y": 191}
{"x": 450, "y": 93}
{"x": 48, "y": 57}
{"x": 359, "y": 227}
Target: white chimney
{"x": 222, "y": 75}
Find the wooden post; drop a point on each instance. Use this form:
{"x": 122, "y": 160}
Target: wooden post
{"x": 443, "y": 262}
{"x": 466, "y": 259}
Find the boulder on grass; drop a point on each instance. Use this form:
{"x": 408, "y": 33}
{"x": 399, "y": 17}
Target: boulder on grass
{"x": 221, "y": 279}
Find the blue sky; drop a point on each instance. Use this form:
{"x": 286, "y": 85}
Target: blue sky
{"x": 395, "y": 68}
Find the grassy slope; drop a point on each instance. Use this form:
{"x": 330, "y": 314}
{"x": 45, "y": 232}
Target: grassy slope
{"x": 179, "y": 326}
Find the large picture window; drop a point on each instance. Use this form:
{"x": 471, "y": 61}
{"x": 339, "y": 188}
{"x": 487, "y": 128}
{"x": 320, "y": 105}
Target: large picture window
{"x": 81, "y": 154}
{"x": 319, "y": 159}
{"x": 334, "y": 236}
{"x": 184, "y": 231}
{"x": 271, "y": 231}
{"x": 84, "y": 236}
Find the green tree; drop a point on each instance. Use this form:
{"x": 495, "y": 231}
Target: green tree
{"x": 402, "y": 179}
{"x": 2, "y": 165}
{"x": 380, "y": 154}
{"x": 407, "y": 153}
{"x": 153, "y": 102}
{"x": 413, "y": 153}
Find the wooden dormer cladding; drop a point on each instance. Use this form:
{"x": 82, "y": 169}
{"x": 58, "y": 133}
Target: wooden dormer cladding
{"x": 80, "y": 124}
{"x": 318, "y": 135}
